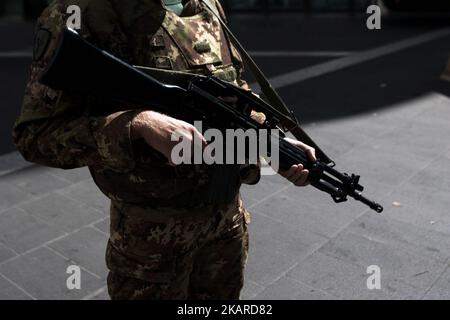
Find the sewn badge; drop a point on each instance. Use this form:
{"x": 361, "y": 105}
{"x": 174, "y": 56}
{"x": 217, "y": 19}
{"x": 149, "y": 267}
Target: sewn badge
{"x": 202, "y": 47}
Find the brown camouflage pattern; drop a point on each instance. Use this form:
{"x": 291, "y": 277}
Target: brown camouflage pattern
{"x": 177, "y": 254}
{"x": 153, "y": 230}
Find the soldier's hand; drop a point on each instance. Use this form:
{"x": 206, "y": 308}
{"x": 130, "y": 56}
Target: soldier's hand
{"x": 297, "y": 174}
{"x": 157, "y": 130}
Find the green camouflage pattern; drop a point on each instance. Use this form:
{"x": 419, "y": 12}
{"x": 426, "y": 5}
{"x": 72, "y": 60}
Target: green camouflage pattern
{"x": 153, "y": 229}
{"x": 177, "y": 254}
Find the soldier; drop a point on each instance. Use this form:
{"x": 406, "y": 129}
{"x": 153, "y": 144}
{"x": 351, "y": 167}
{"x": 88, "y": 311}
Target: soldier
{"x": 165, "y": 243}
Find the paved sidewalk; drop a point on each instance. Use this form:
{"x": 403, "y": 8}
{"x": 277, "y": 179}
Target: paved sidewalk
{"x": 303, "y": 246}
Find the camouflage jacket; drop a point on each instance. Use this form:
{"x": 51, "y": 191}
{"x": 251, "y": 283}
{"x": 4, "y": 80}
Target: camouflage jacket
{"x": 54, "y": 128}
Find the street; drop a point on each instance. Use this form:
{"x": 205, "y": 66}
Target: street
{"x": 375, "y": 103}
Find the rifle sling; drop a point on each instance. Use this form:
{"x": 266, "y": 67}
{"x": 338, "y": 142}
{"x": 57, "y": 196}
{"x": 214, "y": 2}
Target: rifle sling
{"x": 289, "y": 123}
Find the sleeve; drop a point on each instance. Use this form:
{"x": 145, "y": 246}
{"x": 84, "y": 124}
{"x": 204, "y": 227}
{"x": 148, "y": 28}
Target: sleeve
{"x": 53, "y": 128}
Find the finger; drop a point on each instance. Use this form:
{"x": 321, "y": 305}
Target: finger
{"x": 290, "y": 172}
{"x": 296, "y": 176}
{"x": 303, "y": 179}
{"x": 198, "y": 138}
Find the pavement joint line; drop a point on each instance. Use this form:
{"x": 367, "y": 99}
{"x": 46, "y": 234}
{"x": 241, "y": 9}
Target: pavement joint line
{"x": 17, "y": 286}
{"x": 248, "y": 281}
{"x": 74, "y": 262}
{"x": 284, "y": 273}
{"x": 436, "y": 280}
{"x": 13, "y": 162}
{"x": 47, "y": 243}
{"x": 7, "y": 247}
{"x": 68, "y": 195}
{"x": 312, "y": 54}
{"x": 54, "y": 174}
{"x": 86, "y": 204}
{"x": 267, "y": 197}
{"x": 409, "y": 178}
{"x": 97, "y": 229}
{"x": 393, "y": 246}
{"x": 31, "y": 199}
{"x": 33, "y": 249}
{"x": 314, "y": 288}
{"x": 423, "y": 229}
{"x": 314, "y": 71}
{"x": 94, "y": 294}
{"x": 389, "y": 273}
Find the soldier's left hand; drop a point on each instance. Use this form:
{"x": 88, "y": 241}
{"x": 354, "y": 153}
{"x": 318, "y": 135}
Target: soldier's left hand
{"x": 297, "y": 174}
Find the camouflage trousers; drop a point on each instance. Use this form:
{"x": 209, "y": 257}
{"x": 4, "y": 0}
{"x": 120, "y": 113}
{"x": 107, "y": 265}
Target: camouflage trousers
{"x": 164, "y": 253}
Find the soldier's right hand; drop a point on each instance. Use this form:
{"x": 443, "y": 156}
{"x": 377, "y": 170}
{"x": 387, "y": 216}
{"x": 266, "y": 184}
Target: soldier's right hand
{"x": 157, "y": 130}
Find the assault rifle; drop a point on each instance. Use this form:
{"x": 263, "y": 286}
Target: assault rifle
{"x": 79, "y": 65}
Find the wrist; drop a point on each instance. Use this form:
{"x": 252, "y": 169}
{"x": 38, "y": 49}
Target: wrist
{"x": 138, "y": 123}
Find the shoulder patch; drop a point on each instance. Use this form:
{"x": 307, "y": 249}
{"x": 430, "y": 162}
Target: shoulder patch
{"x": 41, "y": 43}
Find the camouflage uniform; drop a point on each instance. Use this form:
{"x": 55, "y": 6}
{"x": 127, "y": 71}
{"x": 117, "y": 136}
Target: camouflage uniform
{"x": 162, "y": 244}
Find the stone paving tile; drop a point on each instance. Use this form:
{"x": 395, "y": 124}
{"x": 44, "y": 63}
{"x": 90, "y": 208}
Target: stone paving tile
{"x": 290, "y": 289}
{"x": 267, "y": 186}
{"x": 309, "y": 209}
{"x": 441, "y": 289}
{"x": 381, "y": 122}
{"x": 86, "y": 247}
{"x": 11, "y": 195}
{"x": 265, "y": 267}
{"x": 412, "y": 134}
{"x": 42, "y": 273}
{"x": 335, "y": 140}
{"x": 421, "y": 241}
{"x": 250, "y": 290}
{"x": 103, "y": 225}
{"x": 347, "y": 281}
{"x": 10, "y": 292}
{"x": 275, "y": 236}
{"x": 73, "y": 175}
{"x": 432, "y": 175}
{"x": 389, "y": 170}
{"x": 103, "y": 295}
{"x": 415, "y": 270}
{"x": 35, "y": 180}
{"x": 247, "y": 200}
{"x": 88, "y": 193}
{"x": 6, "y": 253}
{"x": 62, "y": 211}
{"x": 21, "y": 231}
{"x": 420, "y": 205}
{"x": 12, "y": 162}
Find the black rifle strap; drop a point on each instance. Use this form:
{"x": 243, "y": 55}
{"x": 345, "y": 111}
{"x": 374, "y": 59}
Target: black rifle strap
{"x": 290, "y": 122}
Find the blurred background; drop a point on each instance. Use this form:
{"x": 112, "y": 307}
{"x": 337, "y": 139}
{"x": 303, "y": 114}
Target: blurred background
{"x": 377, "y": 101}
